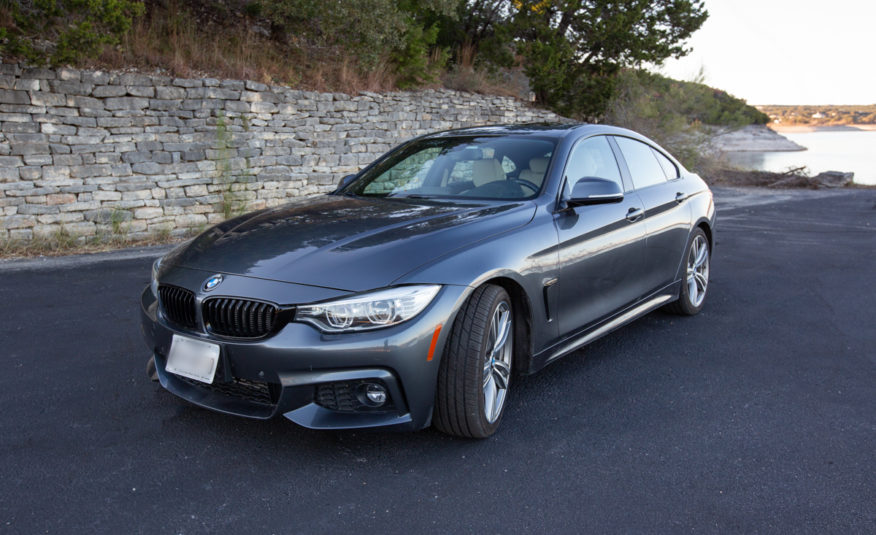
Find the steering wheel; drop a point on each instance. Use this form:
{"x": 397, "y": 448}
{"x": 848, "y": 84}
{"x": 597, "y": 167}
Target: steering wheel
{"x": 527, "y": 183}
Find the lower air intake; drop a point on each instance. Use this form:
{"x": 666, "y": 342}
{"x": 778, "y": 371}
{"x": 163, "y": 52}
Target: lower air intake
{"x": 242, "y": 389}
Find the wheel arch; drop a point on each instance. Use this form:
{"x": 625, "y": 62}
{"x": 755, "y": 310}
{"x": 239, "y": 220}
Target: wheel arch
{"x": 705, "y": 225}
{"x": 522, "y": 309}
{"x": 707, "y": 228}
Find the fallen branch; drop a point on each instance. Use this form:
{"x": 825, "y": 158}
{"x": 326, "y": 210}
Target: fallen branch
{"x": 796, "y": 171}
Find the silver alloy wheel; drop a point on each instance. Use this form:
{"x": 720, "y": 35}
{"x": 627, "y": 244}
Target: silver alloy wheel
{"x": 698, "y": 271}
{"x": 497, "y": 362}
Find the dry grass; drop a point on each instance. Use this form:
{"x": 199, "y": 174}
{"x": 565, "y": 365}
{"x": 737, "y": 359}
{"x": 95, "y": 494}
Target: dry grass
{"x": 345, "y": 76}
{"x": 466, "y": 75}
{"x": 731, "y": 176}
{"x": 476, "y": 80}
{"x": 190, "y": 39}
{"x": 798, "y": 178}
{"x": 63, "y": 243}
{"x": 169, "y": 39}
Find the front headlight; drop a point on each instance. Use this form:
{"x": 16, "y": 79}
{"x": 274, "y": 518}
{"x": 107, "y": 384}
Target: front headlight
{"x": 369, "y": 311}
{"x": 153, "y": 283}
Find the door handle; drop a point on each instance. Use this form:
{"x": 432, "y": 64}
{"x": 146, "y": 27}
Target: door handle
{"x": 679, "y": 197}
{"x": 635, "y": 214}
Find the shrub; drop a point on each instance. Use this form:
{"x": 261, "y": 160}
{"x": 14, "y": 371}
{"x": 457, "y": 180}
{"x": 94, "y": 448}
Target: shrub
{"x": 73, "y": 29}
{"x": 676, "y": 114}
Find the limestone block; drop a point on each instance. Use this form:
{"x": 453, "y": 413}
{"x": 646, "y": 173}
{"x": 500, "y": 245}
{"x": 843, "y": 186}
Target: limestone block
{"x": 148, "y": 213}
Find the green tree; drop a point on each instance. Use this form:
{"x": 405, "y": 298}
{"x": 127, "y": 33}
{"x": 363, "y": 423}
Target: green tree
{"x": 481, "y": 26}
{"x": 587, "y": 42}
{"x": 572, "y": 51}
{"x": 420, "y": 59}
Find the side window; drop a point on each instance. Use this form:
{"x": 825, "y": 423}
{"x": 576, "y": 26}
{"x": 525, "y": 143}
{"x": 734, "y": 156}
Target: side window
{"x": 668, "y": 167}
{"x": 591, "y": 157}
{"x": 644, "y": 167}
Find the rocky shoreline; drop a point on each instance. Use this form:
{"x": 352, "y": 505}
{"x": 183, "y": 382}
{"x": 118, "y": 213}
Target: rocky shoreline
{"x": 759, "y": 138}
{"x": 753, "y": 138}
{"x": 797, "y": 128}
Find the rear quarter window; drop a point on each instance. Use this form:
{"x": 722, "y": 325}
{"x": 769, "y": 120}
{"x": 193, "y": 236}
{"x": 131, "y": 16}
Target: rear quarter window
{"x": 643, "y": 165}
{"x": 669, "y": 168}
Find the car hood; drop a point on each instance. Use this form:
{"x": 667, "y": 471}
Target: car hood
{"x": 347, "y": 243}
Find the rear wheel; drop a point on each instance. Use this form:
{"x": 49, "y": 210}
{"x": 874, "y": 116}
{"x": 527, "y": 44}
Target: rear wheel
{"x": 695, "y": 283}
{"x": 475, "y": 371}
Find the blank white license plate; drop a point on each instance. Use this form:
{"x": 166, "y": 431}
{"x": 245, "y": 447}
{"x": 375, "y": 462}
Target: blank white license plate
{"x": 193, "y": 358}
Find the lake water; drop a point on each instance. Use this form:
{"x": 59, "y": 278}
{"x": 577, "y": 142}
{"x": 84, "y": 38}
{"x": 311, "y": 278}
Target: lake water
{"x": 844, "y": 150}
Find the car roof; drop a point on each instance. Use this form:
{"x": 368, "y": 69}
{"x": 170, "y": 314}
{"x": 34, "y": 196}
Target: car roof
{"x": 554, "y": 130}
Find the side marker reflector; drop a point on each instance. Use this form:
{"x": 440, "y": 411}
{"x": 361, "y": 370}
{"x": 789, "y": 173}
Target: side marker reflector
{"x": 434, "y": 343}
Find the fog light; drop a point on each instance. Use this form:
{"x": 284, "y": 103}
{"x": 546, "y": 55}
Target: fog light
{"x": 375, "y": 394}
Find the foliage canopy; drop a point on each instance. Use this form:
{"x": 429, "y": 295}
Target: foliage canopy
{"x": 574, "y": 53}
{"x": 78, "y": 29}
{"x": 572, "y": 50}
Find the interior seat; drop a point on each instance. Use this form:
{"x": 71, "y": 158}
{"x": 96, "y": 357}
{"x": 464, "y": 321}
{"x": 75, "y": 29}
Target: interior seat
{"x": 486, "y": 171}
{"x": 536, "y": 171}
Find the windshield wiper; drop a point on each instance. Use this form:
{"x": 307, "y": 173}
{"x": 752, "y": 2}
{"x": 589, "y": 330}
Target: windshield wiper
{"x": 411, "y": 196}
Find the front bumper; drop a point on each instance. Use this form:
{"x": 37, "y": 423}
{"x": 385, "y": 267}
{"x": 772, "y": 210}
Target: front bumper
{"x": 288, "y": 371}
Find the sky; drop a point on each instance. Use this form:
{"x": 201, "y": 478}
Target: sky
{"x": 786, "y": 51}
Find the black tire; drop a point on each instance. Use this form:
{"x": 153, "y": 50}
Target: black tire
{"x": 460, "y": 398}
{"x": 686, "y": 305}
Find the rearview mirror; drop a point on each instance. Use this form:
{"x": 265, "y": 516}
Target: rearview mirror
{"x": 345, "y": 182}
{"x": 593, "y": 190}
{"x": 467, "y": 154}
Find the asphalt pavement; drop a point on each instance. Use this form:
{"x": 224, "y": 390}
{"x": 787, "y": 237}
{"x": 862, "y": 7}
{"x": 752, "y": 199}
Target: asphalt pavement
{"x": 757, "y": 416}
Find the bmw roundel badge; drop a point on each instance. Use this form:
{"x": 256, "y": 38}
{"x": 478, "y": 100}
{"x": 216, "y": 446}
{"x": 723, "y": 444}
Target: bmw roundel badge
{"x": 213, "y": 282}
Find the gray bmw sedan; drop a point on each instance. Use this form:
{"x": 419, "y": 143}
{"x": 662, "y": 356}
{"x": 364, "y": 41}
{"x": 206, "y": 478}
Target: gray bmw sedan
{"x": 415, "y": 293}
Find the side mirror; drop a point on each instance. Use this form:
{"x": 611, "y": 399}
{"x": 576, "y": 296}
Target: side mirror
{"x": 345, "y": 182}
{"x": 593, "y": 190}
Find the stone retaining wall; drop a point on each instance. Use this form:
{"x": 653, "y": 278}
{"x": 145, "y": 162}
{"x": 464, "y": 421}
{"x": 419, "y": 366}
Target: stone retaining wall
{"x": 89, "y": 152}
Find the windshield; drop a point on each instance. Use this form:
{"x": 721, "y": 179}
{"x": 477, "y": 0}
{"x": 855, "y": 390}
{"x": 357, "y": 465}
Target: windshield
{"x": 469, "y": 167}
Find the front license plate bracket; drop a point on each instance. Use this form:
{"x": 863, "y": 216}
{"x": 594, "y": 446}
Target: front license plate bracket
{"x": 194, "y": 359}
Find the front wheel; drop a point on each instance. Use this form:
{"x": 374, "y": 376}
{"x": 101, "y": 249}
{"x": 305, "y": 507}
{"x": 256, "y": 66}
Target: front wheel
{"x": 475, "y": 371}
{"x": 696, "y": 276}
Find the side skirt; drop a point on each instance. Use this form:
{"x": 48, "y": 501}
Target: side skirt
{"x": 584, "y": 337}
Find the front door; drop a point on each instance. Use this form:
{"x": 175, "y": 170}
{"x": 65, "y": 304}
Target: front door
{"x": 601, "y": 247}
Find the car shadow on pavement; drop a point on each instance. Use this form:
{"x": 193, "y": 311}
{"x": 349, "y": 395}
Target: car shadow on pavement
{"x": 571, "y": 392}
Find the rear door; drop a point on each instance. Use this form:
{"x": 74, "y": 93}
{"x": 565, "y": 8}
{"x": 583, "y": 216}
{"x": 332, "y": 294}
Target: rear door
{"x": 667, "y": 220}
{"x": 601, "y": 247}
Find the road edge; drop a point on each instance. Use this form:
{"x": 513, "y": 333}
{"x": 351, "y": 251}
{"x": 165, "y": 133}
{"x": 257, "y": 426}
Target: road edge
{"x": 80, "y": 260}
